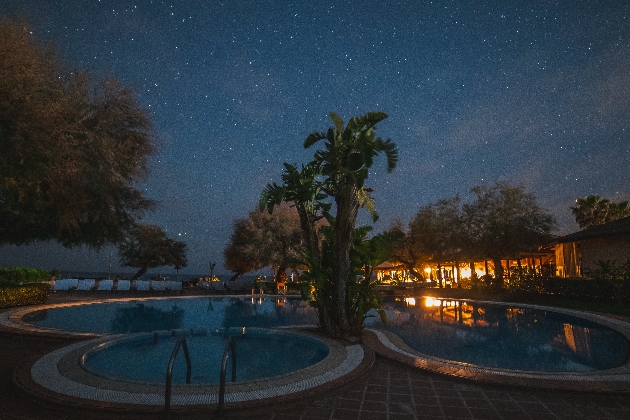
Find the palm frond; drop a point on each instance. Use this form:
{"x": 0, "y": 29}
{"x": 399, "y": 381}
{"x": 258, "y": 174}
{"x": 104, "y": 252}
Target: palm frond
{"x": 272, "y": 195}
{"x": 367, "y": 203}
{"x": 313, "y": 138}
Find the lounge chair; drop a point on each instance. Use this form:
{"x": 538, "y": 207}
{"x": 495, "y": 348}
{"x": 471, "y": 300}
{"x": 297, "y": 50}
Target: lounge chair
{"x": 65, "y": 285}
{"x": 174, "y": 286}
{"x": 123, "y": 285}
{"x": 105, "y": 285}
{"x": 141, "y": 285}
{"x": 158, "y": 285}
{"x": 85, "y": 285}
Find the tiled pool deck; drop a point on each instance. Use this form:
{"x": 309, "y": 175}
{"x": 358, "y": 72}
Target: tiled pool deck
{"x": 389, "y": 390}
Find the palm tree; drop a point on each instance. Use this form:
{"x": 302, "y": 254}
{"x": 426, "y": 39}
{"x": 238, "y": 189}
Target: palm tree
{"x": 592, "y": 211}
{"x": 345, "y": 161}
{"x": 302, "y": 189}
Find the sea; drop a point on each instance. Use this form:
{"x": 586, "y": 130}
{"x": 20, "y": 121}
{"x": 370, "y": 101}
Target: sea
{"x": 99, "y": 275}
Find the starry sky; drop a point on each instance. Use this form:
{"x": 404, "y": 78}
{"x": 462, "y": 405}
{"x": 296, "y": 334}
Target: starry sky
{"x": 535, "y": 93}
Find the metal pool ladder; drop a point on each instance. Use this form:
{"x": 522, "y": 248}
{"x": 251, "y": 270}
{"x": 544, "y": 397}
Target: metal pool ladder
{"x": 181, "y": 342}
{"x": 230, "y": 348}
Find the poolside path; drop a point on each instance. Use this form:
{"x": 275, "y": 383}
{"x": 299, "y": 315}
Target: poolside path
{"x": 389, "y": 391}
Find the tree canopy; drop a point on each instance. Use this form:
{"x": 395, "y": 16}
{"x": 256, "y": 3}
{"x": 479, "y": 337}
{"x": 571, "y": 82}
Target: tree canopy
{"x": 592, "y": 211}
{"x": 265, "y": 240}
{"x": 504, "y": 221}
{"x": 147, "y": 246}
{"x": 72, "y": 149}
{"x": 500, "y": 222}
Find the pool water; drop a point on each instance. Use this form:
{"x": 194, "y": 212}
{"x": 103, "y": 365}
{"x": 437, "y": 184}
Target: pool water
{"x": 503, "y": 336}
{"x": 124, "y": 317}
{"x": 259, "y": 354}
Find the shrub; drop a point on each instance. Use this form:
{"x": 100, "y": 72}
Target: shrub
{"x": 30, "y": 294}
{"x": 525, "y": 280}
{"x": 15, "y": 276}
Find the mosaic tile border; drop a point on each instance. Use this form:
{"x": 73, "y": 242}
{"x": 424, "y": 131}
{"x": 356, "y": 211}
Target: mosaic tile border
{"x": 53, "y": 377}
{"x": 611, "y": 380}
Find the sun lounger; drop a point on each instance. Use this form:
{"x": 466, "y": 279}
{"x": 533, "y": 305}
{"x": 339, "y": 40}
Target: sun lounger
{"x": 85, "y": 285}
{"x": 105, "y": 285}
{"x": 141, "y": 285}
{"x": 174, "y": 286}
{"x": 158, "y": 285}
{"x": 123, "y": 285}
{"x": 65, "y": 285}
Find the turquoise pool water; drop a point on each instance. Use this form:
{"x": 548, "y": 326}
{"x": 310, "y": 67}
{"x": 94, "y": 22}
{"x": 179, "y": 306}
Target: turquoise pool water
{"x": 503, "y": 336}
{"x": 259, "y": 354}
{"x": 146, "y": 315}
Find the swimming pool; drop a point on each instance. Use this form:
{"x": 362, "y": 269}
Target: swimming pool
{"x": 259, "y": 353}
{"x": 146, "y": 315}
{"x": 504, "y": 336}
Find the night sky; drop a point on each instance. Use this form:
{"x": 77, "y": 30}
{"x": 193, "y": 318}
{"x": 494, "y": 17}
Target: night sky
{"x": 534, "y": 93}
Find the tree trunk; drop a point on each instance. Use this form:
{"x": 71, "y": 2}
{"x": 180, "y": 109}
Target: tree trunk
{"x": 498, "y": 273}
{"x": 347, "y": 209}
{"x": 140, "y": 272}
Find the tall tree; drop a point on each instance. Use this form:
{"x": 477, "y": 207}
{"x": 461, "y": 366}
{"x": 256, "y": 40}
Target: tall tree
{"x": 305, "y": 194}
{"x": 592, "y": 211}
{"x": 436, "y": 234}
{"x": 265, "y": 240}
{"x": 342, "y": 169}
{"x": 503, "y": 221}
{"x": 147, "y": 246}
{"x": 72, "y": 149}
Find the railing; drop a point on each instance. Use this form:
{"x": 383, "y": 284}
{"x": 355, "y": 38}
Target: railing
{"x": 230, "y": 347}
{"x": 169, "y": 372}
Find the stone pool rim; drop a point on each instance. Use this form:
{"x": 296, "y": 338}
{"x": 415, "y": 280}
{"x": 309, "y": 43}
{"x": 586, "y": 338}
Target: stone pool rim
{"x": 58, "y": 377}
{"x": 615, "y": 380}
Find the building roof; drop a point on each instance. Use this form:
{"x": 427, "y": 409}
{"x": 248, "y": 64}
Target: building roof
{"x": 617, "y": 228}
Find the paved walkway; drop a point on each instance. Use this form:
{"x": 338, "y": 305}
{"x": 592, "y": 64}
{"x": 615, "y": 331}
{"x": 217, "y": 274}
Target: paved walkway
{"x": 388, "y": 391}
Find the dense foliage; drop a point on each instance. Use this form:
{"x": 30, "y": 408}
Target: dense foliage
{"x": 147, "y": 246}
{"x": 14, "y": 276}
{"x": 30, "y": 294}
{"x": 265, "y": 240}
{"x": 72, "y": 149}
{"x": 500, "y": 222}
{"x": 593, "y": 211}
{"x": 336, "y": 175}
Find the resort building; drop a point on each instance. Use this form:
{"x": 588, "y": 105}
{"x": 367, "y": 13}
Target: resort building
{"x": 580, "y": 251}
{"x": 452, "y": 272}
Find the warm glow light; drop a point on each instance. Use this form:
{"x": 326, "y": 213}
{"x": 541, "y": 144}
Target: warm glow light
{"x": 427, "y": 270}
{"x": 410, "y": 301}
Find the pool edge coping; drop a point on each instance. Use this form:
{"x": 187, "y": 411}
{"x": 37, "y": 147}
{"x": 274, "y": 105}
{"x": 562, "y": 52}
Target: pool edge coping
{"x": 241, "y": 400}
{"x": 615, "y": 380}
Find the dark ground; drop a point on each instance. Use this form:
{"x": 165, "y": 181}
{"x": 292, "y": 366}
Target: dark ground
{"x": 388, "y": 391}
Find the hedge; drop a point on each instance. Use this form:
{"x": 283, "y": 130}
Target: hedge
{"x": 16, "y": 276}
{"x": 29, "y": 294}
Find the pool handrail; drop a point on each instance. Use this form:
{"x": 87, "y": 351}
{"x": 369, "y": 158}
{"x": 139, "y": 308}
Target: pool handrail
{"x": 181, "y": 342}
{"x": 230, "y": 347}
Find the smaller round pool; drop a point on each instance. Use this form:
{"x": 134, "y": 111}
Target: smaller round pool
{"x": 260, "y": 354}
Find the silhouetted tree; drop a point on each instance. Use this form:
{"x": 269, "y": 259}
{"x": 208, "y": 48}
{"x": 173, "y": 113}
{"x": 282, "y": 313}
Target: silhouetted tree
{"x": 503, "y": 221}
{"x": 147, "y": 246}
{"x": 265, "y": 240}
{"x": 72, "y": 149}
{"x": 592, "y": 211}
